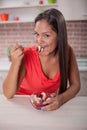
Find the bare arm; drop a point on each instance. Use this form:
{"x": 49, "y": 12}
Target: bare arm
{"x": 74, "y": 87}
{"x": 74, "y": 80}
{"x": 16, "y": 72}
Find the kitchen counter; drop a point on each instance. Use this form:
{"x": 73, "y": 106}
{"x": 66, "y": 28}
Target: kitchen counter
{"x": 19, "y": 114}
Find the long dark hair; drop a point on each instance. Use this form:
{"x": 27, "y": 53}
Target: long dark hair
{"x": 55, "y": 18}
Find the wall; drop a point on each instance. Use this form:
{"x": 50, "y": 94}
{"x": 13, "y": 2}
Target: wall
{"x": 75, "y": 13}
{"x": 73, "y": 9}
{"x": 77, "y": 37}
{"x": 23, "y": 34}
{"x": 15, "y": 33}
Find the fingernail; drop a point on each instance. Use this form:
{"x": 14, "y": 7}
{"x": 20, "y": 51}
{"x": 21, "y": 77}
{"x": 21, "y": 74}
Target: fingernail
{"x": 42, "y": 109}
{"x": 43, "y": 103}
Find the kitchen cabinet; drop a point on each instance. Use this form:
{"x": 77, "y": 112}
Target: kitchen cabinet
{"x": 23, "y": 11}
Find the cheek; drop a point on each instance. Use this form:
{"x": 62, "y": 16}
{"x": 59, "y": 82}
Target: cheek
{"x": 54, "y": 42}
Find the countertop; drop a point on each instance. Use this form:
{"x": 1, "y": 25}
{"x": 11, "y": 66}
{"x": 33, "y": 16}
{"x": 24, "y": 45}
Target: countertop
{"x": 19, "y": 114}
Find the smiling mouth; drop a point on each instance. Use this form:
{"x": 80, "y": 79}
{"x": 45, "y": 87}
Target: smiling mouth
{"x": 41, "y": 48}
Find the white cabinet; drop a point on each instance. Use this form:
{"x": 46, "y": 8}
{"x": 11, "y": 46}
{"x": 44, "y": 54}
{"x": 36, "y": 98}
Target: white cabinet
{"x": 25, "y": 10}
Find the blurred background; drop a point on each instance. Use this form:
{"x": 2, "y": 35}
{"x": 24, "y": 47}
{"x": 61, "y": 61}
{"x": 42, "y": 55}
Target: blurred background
{"x": 17, "y": 23}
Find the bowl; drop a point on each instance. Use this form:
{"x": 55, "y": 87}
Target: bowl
{"x": 39, "y": 100}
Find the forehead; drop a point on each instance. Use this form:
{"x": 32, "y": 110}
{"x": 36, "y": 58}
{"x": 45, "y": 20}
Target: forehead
{"x": 43, "y": 25}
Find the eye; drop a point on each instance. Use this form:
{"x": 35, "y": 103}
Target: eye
{"x": 35, "y": 34}
{"x": 46, "y": 35}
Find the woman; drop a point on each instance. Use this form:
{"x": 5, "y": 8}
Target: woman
{"x": 51, "y": 68}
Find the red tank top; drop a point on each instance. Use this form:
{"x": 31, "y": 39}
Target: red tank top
{"x": 35, "y": 81}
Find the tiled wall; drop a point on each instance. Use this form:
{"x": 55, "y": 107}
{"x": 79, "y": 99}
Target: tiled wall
{"x": 77, "y": 37}
{"x": 23, "y": 33}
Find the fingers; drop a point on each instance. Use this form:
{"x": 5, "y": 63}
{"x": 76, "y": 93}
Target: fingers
{"x": 48, "y": 101}
{"x": 17, "y": 54}
{"x": 53, "y": 104}
{"x": 16, "y": 47}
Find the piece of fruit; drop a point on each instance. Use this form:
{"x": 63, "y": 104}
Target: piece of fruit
{"x": 39, "y": 100}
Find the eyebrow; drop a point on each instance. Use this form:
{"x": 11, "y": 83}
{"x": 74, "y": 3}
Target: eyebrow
{"x": 42, "y": 32}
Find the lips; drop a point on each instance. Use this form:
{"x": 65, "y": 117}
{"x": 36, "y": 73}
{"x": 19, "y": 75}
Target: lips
{"x": 41, "y": 48}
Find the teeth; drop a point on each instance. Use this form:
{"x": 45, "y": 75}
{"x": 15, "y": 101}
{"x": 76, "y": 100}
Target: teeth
{"x": 40, "y": 49}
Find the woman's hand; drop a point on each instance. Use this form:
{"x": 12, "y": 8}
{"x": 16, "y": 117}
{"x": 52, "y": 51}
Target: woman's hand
{"x": 53, "y": 103}
{"x": 17, "y": 54}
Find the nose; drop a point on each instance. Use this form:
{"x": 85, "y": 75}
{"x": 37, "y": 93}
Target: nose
{"x": 40, "y": 39}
